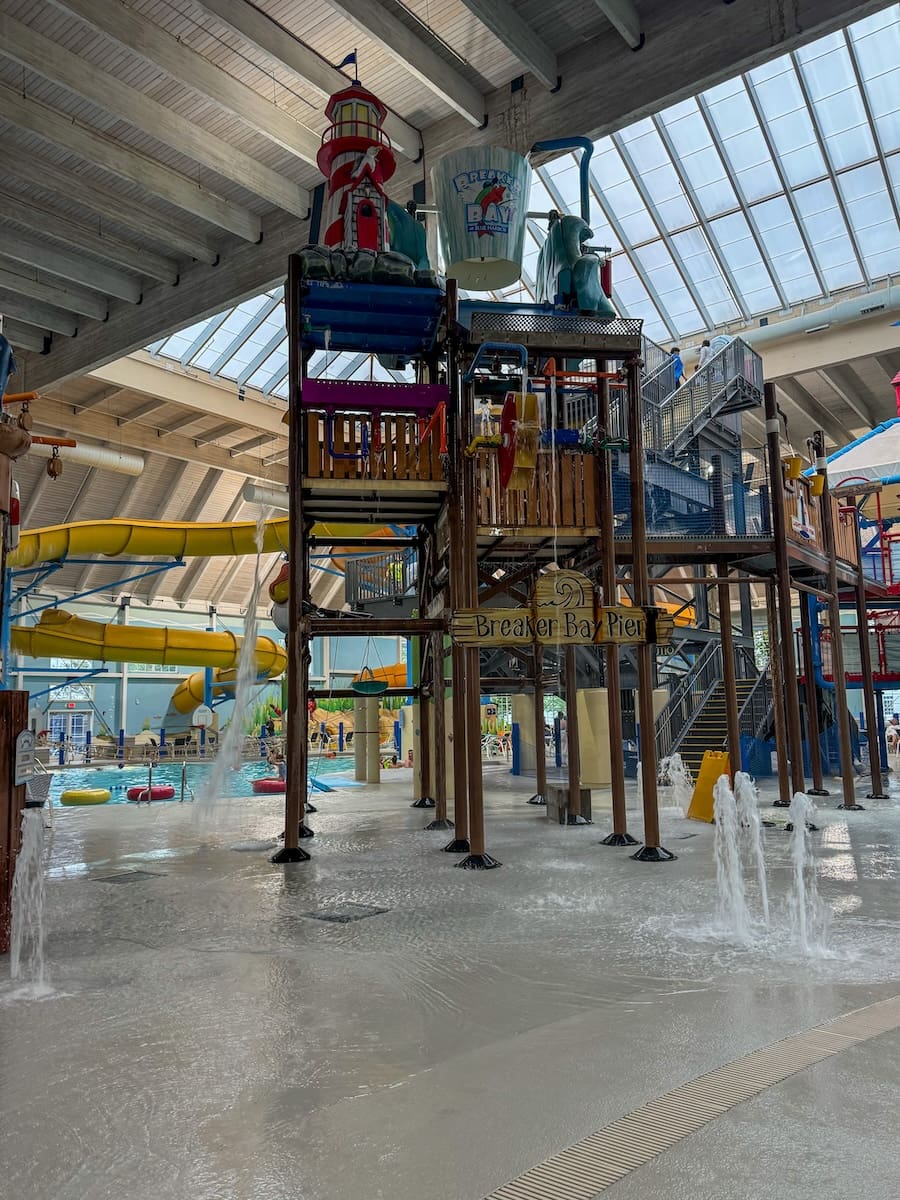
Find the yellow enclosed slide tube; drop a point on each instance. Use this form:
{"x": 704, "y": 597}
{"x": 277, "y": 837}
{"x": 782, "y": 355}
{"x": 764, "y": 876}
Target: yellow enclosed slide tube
{"x": 62, "y": 634}
{"x": 164, "y": 539}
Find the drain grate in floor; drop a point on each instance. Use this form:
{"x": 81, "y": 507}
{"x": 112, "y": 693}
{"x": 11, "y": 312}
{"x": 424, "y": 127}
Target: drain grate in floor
{"x": 128, "y": 876}
{"x": 343, "y": 914}
{"x": 597, "y": 1162}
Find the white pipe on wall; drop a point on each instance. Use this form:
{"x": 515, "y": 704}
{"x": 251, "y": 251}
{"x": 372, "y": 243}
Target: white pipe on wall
{"x": 94, "y": 456}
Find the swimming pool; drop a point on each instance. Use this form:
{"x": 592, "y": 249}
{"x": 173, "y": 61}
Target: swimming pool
{"x": 237, "y": 783}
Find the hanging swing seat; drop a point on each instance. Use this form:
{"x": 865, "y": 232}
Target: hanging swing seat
{"x": 365, "y": 684}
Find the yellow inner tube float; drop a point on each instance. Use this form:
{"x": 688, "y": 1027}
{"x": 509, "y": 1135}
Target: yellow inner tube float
{"x": 85, "y": 796}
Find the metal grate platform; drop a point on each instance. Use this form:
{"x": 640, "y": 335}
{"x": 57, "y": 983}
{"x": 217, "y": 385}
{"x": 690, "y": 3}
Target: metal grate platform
{"x": 613, "y": 338}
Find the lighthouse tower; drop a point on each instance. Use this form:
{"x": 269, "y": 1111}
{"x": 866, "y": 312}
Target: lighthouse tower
{"x": 357, "y": 160}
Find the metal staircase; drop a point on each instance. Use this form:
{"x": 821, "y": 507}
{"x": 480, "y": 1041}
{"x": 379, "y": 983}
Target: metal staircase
{"x": 729, "y": 383}
{"x": 694, "y": 718}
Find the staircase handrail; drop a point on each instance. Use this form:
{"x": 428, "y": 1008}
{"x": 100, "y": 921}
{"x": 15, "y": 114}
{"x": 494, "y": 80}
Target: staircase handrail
{"x": 692, "y": 689}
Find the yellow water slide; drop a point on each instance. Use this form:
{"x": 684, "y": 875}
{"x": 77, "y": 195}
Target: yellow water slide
{"x": 62, "y": 634}
{"x": 167, "y": 539}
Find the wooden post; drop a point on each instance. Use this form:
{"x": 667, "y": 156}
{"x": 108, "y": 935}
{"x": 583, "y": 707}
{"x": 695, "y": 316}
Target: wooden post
{"x": 540, "y": 749}
{"x": 651, "y": 851}
{"x": 359, "y": 740}
{"x": 783, "y": 583}
{"x": 812, "y": 702}
{"x": 842, "y": 713}
{"x": 440, "y": 735}
{"x": 782, "y": 750}
{"x": 620, "y": 835}
{"x": 373, "y": 740}
{"x": 13, "y": 719}
{"x": 457, "y": 588}
{"x": 296, "y": 740}
{"x": 729, "y": 680}
{"x": 865, "y": 654}
{"x": 575, "y": 815}
{"x": 426, "y": 782}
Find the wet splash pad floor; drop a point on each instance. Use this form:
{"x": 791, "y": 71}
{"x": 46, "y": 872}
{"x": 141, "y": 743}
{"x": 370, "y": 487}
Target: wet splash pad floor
{"x": 204, "y": 1034}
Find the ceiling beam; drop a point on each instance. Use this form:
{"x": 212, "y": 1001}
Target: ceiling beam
{"x": 33, "y": 499}
{"x": 836, "y": 378}
{"x": 121, "y": 509}
{"x": 200, "y": 566}
{"x": 80, "y": 496}
{"x": 810, "y": 410}
{"x": 415, "y": 55}
{"x": 202, "y": 291}
{"x": 95, "y": 147}
{"x": 50, "y": 60}
{"x": 143, "y": 410}
{"x": 251, "y": 444}
{"x": 281, "y": 45}
{"x": 78, "y": 268}
{"x": 26, "y": 336}
{"x": 57, "y": 320}
{"x": 50, "y": 177}
{"x": 143, "y": 37}
{"x": 40, "y": 219}
{"x": 96, "y": 425}
{"x": 517, "y": 35}
{"x": 889, "y": 366}
{"x": 100, "y": 397}
{"x": 165, "y": 381}
{"x": 60, "y": 294}
{"x": 625, "y": 19}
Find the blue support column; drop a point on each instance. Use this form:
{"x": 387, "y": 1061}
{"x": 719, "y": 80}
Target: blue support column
{"x": 516, "y": 741}
{"x": 87, "y": 746}
{"x": 557, "y": 740}
{"x": 163, "y": 752}
{"x": 340, "y": 736}
{"x": 121, "y": 752}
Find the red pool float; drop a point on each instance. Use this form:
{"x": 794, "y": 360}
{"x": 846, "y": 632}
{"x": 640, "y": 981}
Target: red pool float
{"x": 159, "y": 791}
{"x": 268, "y": 787}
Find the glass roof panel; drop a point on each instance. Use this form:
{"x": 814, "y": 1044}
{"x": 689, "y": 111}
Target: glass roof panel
{"x": 771, "y": 199}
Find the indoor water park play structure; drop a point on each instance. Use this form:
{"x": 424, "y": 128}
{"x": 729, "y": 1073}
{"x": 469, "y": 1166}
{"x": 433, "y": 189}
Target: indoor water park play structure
{"x": 539, "y": 507}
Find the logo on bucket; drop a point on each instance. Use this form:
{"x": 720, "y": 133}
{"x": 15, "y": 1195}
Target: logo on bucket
{"x": 490, "y": 198}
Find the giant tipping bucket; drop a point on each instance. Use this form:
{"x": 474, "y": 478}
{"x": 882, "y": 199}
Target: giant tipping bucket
{"x": 482, "y": 197}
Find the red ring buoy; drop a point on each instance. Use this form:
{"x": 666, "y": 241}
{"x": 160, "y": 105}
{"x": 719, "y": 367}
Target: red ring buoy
{"x": 268, "y": 787}
{"x": 161, "y": 791}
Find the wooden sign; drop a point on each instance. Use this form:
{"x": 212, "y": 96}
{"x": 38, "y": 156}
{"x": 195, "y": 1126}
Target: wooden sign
{"x": 564, "y": 610}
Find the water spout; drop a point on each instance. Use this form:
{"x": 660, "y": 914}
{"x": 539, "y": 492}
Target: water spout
{"x": 675, "y": 772}
{"x": 809, "y": 915}
{"x": 26, "y": 958}
{"x": 747, "y": 799}
{"x": 734, "y": 915}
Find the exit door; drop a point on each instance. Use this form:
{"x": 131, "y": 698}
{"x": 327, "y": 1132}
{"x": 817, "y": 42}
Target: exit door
{"x": 70, "y": 726}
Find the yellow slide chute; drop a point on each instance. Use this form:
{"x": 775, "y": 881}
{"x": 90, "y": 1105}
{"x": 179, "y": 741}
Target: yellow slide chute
{"x": 168, "y": 539}
{"x": 61, "y": 634}
{"x": 164, "y": 539}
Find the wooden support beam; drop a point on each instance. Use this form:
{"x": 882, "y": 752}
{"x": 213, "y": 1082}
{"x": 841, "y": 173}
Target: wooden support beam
{"x": 24, "y": 45}
{"x": 60, "y": 415}
{"x": 517, "y": 35}
{"x": 144, "y": 37}
{"x": 128, "y": 164}
{"x": 108, "y": 206}
{"x": 56, "y": 260}
{"x": 60, "y": 294}
{"x": 41, "y": 219}
{"x": 34, "y": 312}
{"x": 282, "y": 46}
{"x": 415, "y": 55}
